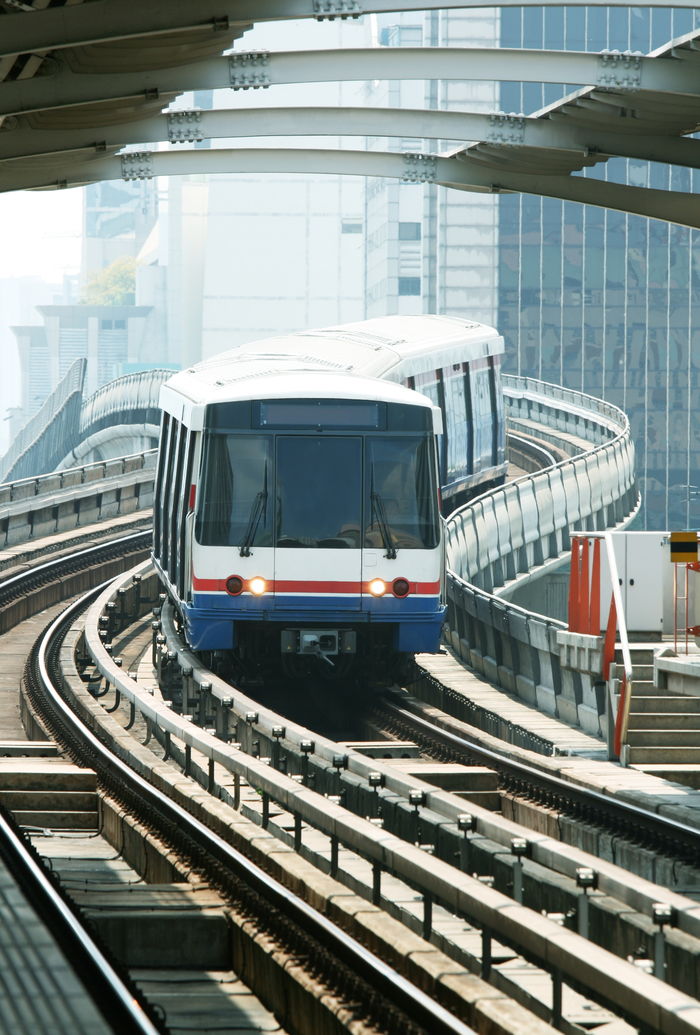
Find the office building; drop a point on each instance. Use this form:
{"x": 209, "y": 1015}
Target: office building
{"x": 596, "y": 300}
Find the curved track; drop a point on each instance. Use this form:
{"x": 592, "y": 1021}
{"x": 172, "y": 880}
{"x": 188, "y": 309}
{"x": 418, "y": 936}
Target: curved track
{"x": 396, "y": 817}
{"x": 386, "y": 1001}
{"x": 265, "y": 898}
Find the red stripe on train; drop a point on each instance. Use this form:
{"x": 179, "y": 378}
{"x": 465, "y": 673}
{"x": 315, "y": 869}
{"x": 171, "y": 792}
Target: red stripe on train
{"x": 287, "y": 586}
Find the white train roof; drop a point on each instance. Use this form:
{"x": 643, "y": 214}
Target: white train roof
{"x": 187, "y": 394}
{"x": 390, "y": 348}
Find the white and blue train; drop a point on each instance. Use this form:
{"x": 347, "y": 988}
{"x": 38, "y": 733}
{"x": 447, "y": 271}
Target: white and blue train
{"x": 299, "y": 487}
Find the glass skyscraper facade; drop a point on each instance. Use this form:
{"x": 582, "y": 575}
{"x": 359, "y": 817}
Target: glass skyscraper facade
{"x": 603, "y": 301}
{"x": 593, "y": 299}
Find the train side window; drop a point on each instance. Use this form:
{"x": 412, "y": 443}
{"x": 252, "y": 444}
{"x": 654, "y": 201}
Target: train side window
{"x": 429, "y": 384}
{"x": 481, "y": 403}
{"x": 158, "y": 494}
{"x": 166, "y": 490}
{"x": 457, "y": 434}
{"x": 175, "y": 496}
{"x": 445, "y": 444}
{"x": 497, "y": 409}
{"x": 183, "y": 500}
{"x": 469, "y": 418}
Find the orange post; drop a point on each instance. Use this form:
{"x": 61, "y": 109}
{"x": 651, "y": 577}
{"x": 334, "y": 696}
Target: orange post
{"x": 594, "y": 624}
{"x": 583, "y": 590}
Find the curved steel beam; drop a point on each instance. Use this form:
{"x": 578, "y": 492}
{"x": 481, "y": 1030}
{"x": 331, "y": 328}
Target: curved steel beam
{"x": 457, "y": 171}
{"x": 244, "y": 70}
{"x": 106, "y": 20}
{"x": 580, "y": 147}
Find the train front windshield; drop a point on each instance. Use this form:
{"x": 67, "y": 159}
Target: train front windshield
{"x": 319, "y": 491}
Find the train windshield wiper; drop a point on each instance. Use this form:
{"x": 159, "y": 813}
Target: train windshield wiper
{"x": 380, "y": 514}
{"x": 256, "y": 512}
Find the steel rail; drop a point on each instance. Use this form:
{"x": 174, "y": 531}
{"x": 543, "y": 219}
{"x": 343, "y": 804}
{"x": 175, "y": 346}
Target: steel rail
{"x": 384, "y": 979}
{"x": 111, "y": 997}
{"x": 324, "y": 755}
{"x": 12, "y": 586}
{"x": 662, "y": 827}
{"x": 492, "y": 911}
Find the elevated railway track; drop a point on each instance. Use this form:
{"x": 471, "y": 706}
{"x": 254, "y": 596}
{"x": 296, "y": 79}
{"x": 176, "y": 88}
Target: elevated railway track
{"x": 384, "y": 842}
{"x": 407, "y": 832}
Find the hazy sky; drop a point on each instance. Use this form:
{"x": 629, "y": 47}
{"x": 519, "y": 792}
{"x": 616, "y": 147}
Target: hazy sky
{"x": 41, "y": 233}
{"x": 41, "y": 237}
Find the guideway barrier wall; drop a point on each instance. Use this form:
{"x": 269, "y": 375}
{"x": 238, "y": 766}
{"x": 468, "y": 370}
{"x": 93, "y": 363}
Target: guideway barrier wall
{"x": 34, "y": 507}
{"x": 523, "y": 531}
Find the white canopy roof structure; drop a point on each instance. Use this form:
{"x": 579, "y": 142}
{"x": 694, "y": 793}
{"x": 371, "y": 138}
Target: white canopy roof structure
{"x": 82, "y": 81}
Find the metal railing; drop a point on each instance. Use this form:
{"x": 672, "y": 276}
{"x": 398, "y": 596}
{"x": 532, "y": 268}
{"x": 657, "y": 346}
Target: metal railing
{"x": 134, "y": 394}
{"x": 585, "y": 620}
{"x": 522, "y": 530}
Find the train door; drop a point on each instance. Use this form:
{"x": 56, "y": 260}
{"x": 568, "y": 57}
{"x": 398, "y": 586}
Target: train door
{"x": 318, "y": 522}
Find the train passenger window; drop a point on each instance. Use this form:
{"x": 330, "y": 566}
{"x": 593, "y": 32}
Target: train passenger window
{"x": 497, "y": 450}
{"x": 184, "y": 485}
{"x": 166, "y": 492}
{"x": 481, "y": 409}
{"x": 319, "y": 492}
{"x": 158, "y": 493}
{"x": 174, "y": 497}
{"x": 236, "y": 504}
{"x": 400, "y": 493}
{"x": 457, "y": 427}
{"x": 430, "y": 384}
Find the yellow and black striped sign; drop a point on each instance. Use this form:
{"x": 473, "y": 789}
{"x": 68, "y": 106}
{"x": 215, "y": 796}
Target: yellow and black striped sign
{"x": 684, "y": 547}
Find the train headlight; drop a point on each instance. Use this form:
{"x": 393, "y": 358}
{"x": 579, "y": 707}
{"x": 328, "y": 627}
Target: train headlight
{"x": 257, "y": 586}
{"x": 234, "y": 585}
{"x": 377, "y": 587}
{"x": 401, "y": 587}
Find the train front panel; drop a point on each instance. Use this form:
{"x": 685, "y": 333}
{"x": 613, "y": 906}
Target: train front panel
{"x": 316, "y": 531}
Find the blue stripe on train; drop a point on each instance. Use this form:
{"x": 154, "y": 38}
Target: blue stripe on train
{"x": 210, "y": 621}
{"x": 270, "y": 606}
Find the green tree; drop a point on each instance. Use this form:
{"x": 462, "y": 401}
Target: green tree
{"x": 114, "y": 285}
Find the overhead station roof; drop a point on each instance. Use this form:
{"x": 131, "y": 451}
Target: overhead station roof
{"x": 631, "y": 113}
{"x": 78, "y": 78}
{"x": 40, "y": 47}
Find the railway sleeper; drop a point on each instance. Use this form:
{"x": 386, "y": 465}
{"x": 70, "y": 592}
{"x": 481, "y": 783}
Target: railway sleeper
{"x": 172, "y": 932}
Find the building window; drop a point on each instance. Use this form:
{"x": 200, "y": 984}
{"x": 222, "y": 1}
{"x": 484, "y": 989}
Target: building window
{"x": 350, "y": 226}
{"x": 409, "y": 231}
{"x": 409, "y": 285}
